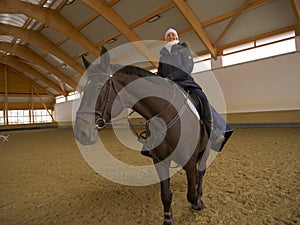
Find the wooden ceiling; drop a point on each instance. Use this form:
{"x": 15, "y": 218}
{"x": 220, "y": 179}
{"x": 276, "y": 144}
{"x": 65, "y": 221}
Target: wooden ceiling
{"x": 42, "y": 41}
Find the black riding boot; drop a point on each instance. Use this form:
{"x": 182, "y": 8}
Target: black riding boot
{"x": 217, "y": 129}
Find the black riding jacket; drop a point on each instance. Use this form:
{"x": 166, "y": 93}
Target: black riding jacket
{"x": 177, "y": 65}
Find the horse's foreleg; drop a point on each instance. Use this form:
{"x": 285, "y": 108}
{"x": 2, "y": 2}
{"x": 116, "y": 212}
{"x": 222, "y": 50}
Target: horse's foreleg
{"x": 166, "y": 197}
{"x": 166, "y": 194}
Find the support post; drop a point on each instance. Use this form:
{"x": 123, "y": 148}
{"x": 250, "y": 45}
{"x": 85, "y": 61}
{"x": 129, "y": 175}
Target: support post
{"x": 5, "y": 111}
{"x": 45, "y": 107}
{"x": 297, "y": 39}
{"x": 216, "y": 63}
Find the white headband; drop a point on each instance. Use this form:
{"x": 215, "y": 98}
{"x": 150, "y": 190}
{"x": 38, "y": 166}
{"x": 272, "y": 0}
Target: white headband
{"x": 171, "y": 30}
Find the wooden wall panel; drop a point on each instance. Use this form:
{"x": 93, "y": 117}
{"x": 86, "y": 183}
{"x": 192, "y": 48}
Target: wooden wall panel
{"x": 16, "y": 83}
{"x": 19, "y": 88}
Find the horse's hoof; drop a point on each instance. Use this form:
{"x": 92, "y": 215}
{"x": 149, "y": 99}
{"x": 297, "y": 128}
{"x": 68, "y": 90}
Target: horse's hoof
{"x": 199, "y": 206}
{"x": 169, "y": 223}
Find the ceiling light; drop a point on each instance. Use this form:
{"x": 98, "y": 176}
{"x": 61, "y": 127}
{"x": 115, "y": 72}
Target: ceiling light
{"x": 111, "y": 41}
{"x": 69, "y": 2}
{"x": 153, "y": 19}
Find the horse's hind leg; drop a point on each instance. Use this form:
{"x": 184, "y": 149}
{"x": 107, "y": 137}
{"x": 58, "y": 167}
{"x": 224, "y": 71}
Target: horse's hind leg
{"x": 166, "y": 194}
{"x": 199, "y": 205}
{"x": 195, "y": 179}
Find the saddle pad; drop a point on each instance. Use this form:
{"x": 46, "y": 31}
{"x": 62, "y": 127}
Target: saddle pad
{"x": 190, "y": 103}
{"x": 193, "y": 108}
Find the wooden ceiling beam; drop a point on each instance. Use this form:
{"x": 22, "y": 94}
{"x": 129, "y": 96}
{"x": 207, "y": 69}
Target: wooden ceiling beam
{"x": 231, "y": 22}
{"x": 23, "y": 67}
{"x": 37, "y": 39}
{"x": 133, "y": 25}
{"x": 18, "y": 95}
{"x": 29, "y": 55}
{"x": 117, "y": 21}
{"x": 27, "y": 105}
{"x": 296, "y": 8}
{"x": 194, "y": 22}
{"x": 231, "y": 13}
{"x": 51, "y": 18}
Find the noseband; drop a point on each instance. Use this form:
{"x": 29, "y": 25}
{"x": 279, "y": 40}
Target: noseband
{"x": 100, "y": 123}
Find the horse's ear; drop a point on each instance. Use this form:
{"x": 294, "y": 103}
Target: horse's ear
{"x": 85, "y": 62}
{"x": 103, "y": 50}
{"x": 105, "y": 58}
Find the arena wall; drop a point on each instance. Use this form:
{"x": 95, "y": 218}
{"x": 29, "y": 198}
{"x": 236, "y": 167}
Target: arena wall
{"x": 265, "y": 90}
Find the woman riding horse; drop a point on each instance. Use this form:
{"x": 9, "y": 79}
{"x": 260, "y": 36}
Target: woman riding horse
{"x": 176, "y": 64}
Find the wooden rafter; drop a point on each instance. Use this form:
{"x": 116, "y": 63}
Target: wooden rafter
{"x": 194, "y": 22}
{"x": 231, "y": 13}
{"x": 231, "y": 22}
{"x": 35, "y": 38}
{"x": 132, "y": 26}
{"x": 117, "y": 21}
{"x": 29, "y": 55}
{"x": 296, "y": 8}
{"x": 165, "y": 8}
{"x": 18, "y": 95}
{"x": 51, "y": 18}
{"x": 27, "y": 105}
{"x": 5, "y": 106}
{"x": 13, "y": 62}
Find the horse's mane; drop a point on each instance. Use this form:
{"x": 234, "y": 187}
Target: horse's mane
{"x": 134, "y": 70}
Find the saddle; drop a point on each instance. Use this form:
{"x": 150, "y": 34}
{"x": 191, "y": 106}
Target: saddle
{"x": 198, "y": 104}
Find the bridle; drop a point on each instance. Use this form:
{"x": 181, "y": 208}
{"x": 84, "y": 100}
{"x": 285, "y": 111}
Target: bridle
{"x": 101, "y": 123}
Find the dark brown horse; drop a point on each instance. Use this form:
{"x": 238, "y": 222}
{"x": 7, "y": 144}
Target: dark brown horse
{"x": 174, "y": 132}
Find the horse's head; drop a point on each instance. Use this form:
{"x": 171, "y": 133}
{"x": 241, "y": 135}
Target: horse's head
{"x": 94, "y": 107}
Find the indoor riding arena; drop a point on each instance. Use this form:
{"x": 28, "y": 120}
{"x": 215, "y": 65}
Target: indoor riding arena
{"x": 245, "y": 57}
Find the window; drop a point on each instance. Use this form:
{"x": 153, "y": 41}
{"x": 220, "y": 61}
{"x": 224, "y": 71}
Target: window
{"x": 73, "y": 95}
{"x": 23, "y": 116}
{"x": 42, "y": 116}
{"x": 18, "y": 117}
{"x": 266, "y": 47}
{"x": 60, "y": 99}
{"x": 202, "y": 63}
{"x": 1, "y": 118}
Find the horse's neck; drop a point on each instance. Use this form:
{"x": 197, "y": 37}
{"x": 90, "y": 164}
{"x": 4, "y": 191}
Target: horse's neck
{"x": 150, "y": 107}
{"x": 165, "y": 104}
{"x": 151, "y": 95}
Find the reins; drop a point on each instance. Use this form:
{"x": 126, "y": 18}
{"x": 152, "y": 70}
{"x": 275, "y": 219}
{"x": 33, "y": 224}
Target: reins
{"x": 141, "y": 136}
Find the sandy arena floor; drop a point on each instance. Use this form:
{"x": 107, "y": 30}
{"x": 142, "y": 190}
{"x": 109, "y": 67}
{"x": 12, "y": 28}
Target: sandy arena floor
{"x": 45, "y": 180}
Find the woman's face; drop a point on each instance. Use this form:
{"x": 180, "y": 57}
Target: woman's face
{"x": 171, "y": 37}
